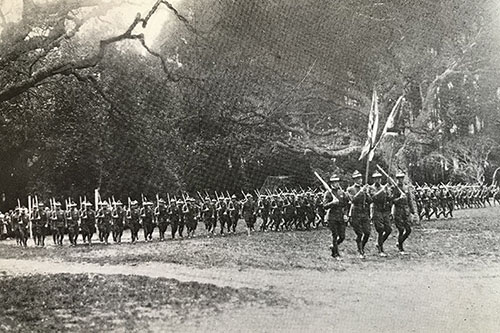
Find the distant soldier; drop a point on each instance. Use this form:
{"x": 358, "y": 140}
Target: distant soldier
{"x": 234, "y": 213}
{"x": 223, "y": 214}
{"x": 88, "y": 220}
{"x": 118, "y": 216}
{"x": 381, "y": 211}
{"x": 402, "y": 210}
{"x": 161, "y": 218}
{"x": 133, "y": 220}
{"x": 23, "y": 227}
{"x": 104, "y": 222}
{"x": 310, "y": 207}
{"x": 249, "y": 211}
{"x": 288, "y": 212}
{"x": 147, "y": 220}
{"x": 360, "y": 212}
{"x": 208, "y": 214}
{"x": 264, "y": 209}
{"x": 336, "y": 204}
{"x": 58, "y": 218}
{"x": 190, "y": 216}
{"x": 300, "y": 215}
{"x": 72, "y": 223}
{"x": 40, "y": 223}
{"x": 174, "y": 215}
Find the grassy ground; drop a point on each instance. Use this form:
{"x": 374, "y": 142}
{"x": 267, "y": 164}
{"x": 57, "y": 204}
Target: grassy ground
{"x": 473, "y": 236}
{"x": 85, "y": 302}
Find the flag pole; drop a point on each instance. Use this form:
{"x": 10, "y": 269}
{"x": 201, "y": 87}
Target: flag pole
{"x": 367, "y": 167}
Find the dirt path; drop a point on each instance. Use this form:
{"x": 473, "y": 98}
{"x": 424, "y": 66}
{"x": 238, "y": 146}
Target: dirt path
{"x": 422, "y": 299}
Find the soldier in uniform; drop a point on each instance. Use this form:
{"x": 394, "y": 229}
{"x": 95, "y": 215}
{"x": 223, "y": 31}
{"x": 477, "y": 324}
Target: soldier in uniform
{"x": 264, "y": 209}
{"x": 336, "y": 204}
{"x": 58, "y": 218}
{"x": 234, "y": 213}
{"x": 104, "y": 222}
{"x": 360, "y": 212}
{"x": 249, "y": 212}
{"x": 381, "y": 211}
{"x": 118, "y": 216}
{"x": 208, "y": 214}
{"x": 223, "y": 214}
{"x": 161, "y": 218}
{"x": 288, "y": 212}
{"x": 72, "y": 223}
{"x": 40, "y": 222}
{"x": 133, "y": 220}
{"x": 23, "y": 227}
{"x": 402, "y": 210}
{"x": 301, "y": 212}
{"x": 189, "y": 212}
{"x": 147, "y": 220}
{"x": 88, "y": 218}
{"x": 174, "y": 215}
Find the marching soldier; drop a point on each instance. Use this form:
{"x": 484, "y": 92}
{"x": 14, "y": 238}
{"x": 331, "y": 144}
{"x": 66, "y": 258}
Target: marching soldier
{"x": 360, "y": 212}
{"x": 147, "y": 220}
{"x": 189, "y": 213}
{"x": 223, "y": 214}
{"x": 264, "y": 208}
{"x": 59, "y": 223}
{"x": 72, "y": 221}
{"x": 336, "y": 204}
{"x": 234, "y": 213}
{"x": 174, "y": 216}
{"x": 40, "y": 223}
{"x": 118, "y": 216}
{"x": 249, "y": 211}
{"x": 381, "y": 211}
{"x": 162, "y": 218}
{"x": 88, "y": 220}
{"x": 104, "y": 222}
{"x": 402, "y": 210}
{"x": 22, "y": 227}
{"x": 133, "y": 220}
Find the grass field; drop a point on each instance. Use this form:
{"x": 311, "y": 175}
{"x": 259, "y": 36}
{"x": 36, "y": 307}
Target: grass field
{"x": 448, "y": 282}
{"x": 473, "y": 236}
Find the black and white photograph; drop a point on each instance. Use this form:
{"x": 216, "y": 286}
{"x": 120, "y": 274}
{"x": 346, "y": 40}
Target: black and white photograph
{"x": 250, "y": 166}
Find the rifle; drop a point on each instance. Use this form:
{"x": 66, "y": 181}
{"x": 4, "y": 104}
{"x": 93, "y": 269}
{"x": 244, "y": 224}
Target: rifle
{"x": 326, "y": 186}
{"x": 389, "y": 178}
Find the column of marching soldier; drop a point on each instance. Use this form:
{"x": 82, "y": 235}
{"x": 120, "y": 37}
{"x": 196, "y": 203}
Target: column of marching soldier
{"x": 380, "y": 205}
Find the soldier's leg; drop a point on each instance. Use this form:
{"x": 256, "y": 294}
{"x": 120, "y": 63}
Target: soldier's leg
{"x": 356, "y": 226}
{"x": 366, "y": 232}
{"x": 404, "y": 230}
{"x": 235, "y": 223}
{"x": 379, "y": 228}
{"x": 181, "y": 229}
{"x": 332, "y": 225}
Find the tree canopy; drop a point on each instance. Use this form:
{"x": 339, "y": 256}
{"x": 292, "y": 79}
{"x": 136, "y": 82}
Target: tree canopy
{"x": 217, "y": 94}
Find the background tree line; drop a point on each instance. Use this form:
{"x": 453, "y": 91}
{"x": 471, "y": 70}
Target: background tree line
{"x": 218, "y": 95}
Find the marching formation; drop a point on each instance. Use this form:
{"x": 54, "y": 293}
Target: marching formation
{"x": 382, "y": 205}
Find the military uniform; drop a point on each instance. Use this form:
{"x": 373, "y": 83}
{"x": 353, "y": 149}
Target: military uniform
{"x": 249, "y": 211}
{"x": 133, "y": 221}
{"x": 104, "y": 223}
{"x": 403, "y": 208}
{"x": 336, "y": 204}
{"x": 147, "y": 220}
{"x": 72, "y": 223}
{"x": 118, "y": 220}
{"x": 40, "y": 222}
{"x": 381, "y": 212}
{"x": 360, "y": 213}
{"x": 162, "y": 218}
{"x": 88, "y": 219}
